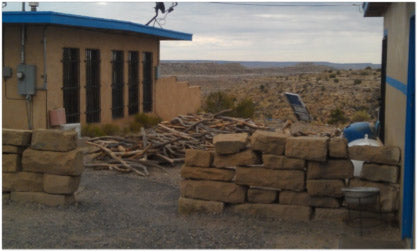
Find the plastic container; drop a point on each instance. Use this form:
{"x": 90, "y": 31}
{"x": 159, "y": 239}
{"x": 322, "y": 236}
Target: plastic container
{"x": 358, "y": 165}
{"x": 357, "y": 130}
{"x": 57, "y": 117}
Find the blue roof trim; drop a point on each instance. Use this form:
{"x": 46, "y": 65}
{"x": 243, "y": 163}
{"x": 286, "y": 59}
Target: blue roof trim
{"x": 55, "y": 18}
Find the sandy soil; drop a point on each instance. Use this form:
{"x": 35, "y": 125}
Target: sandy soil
{"x": 126, "y": 211}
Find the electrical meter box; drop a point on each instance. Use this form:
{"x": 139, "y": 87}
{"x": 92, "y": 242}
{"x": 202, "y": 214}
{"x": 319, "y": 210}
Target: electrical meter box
{"x": 26, "y": 79}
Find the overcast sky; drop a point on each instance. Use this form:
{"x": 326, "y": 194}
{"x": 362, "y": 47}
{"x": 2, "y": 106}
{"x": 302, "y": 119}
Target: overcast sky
{"x": 250, "y": 32}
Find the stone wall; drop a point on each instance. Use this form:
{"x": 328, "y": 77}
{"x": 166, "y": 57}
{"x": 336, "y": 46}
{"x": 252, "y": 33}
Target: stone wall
{"x": 274, "y": 175}
{"x": 42, "y": 166}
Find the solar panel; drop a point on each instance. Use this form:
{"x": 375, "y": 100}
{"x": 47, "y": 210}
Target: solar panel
{"x": 299, "y": 108}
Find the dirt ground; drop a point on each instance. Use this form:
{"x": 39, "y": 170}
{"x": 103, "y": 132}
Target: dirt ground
{"x": 127, "y": 211}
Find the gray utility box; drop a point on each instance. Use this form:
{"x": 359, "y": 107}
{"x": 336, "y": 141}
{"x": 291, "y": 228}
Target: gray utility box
{"x": 26, "y": 79}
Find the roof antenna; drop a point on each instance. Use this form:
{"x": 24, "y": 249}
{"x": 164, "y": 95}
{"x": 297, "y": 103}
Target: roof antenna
{"x": 160, "y": 6}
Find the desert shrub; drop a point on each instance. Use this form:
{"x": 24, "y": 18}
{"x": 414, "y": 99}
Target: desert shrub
{"x": 245, "y": 108}
{"x": 329, "y": 71}
{"x": 338, "y": 72}
{"x": 332, "y": 76}
{"x": 218, "y": 101}
{"x": 135, "y": 127}
{"x": 337, "y": 116}
{"x": 91, "y": 130}
{"x": 145, "y": 120}
{"x": 360, "y": 116}
{"x": 261, "y": 87}
{"x": 336, "y": 80}
{"x": 357, "y": 81}
{"x": 110, "y": 129}
{"x": 318, "y": 78}
{"x": 368, "y": 68}
{"x": 364, "y": 73}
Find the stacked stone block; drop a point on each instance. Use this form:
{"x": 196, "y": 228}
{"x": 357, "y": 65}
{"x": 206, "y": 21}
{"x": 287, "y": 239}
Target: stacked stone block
{"x": 274, "y": 175}
{"x": 42, "y": 166}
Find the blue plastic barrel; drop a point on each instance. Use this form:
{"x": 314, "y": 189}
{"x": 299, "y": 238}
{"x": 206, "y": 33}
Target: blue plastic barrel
{"x": 358, "y": 130}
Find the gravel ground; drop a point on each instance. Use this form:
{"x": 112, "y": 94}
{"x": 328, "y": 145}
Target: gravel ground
{"x": 126, "y": 211}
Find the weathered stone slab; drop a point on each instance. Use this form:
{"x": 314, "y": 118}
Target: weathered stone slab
{"x": 375, "y": 154}
{"x": 332, "y": 169}
{"x": 53, "y": 162}
{"x": 8, "y": 180}
{"x": 268, "y": 142}
{"x": 199, "y": 158}
{"x": 327, "y": 202}
{"x": 324, "y": 187}
{"x": 12, "y": 149}
{"x": 281, "y": 179}
{"x": 28, "y": 182}
{"x": 309, "y": 148}
{"x": 230, "y": 143}
{"x": 246, "y": 157}
{"x": 282, "y": 162}
{"x": 275, "y": 211}
{"x": 43, "y": 198}
{"x": 16, "y": 137}
{"x": 337, "y": 147}
{"x": 11, "y": 163}
{"x": 206, "y": 173}
{"x": 376, "y": 172}
{"x": 389, "y": 193}
{"x": 213, "y": 190}
{"x": 188, "y": 206}
{"x": 56, "y": 184}
{"x": 54, "y": 140}
{"x": 337, "y": 215}
{"x": 294, "y": 198}
{"x": 261, "y": 196}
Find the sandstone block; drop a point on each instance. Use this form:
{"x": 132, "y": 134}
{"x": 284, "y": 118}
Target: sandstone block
{"x": 282, "y": 162}
{"x": 54, "y": 140}
{"x": 8, "y": 180}
{"x": 230, "y": 143}
{"x": 376, "y": 172}
{"x": 268, "y": 142}
{"x": 327, "y": 202}
{"x": 281, "y": 179}
{"x": 53, "y": 162}
{"x": 28, "y": 182}
{"x": 275, "y": 211}
{"x": 375, "y": 154}
{"x": 12, "y": 149}
{"x": 337, "y": 215}
{"x": 56, "y": 184}
{"x": 261, "y": 196}
{"x": 11, "y": 163}
{"x": 43, "y": 198}
{"x": 16, "y": 137}
{"x": 213, "y": 190}
{"x": 199, "y": 158}
{"x": 338, "y": 147}
{"x": 323, "y": 187}
{"x": 389, "y": 193}
{"x": 206, "y": 173}
{"x": 246, "y": 157}
{"x": 332, "y": 169}
{"x": 309, "y": 148}
{"x": 187, "y": 206}
{"x": 294, "y": 198}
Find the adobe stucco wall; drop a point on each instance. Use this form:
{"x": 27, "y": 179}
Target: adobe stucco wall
{"x": 176, "y": 98}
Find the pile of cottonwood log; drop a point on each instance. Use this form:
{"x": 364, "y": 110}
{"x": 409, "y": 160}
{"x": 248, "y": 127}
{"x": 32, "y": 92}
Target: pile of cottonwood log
{"x": 164, "y": 143}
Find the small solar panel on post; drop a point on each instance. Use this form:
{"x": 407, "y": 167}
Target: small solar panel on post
{"x": 299, "y": 108}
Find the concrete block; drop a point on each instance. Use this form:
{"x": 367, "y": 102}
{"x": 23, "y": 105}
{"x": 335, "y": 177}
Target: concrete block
{"x": 282, "y": 162}
{"x": 42, "y": 198}
{"x": 332, "y": 169}
{"x": 12, "y": 149}
{"x": 383, "y": 173}
{"x": 188, "y": 206}
{"x": 199, "y": 158}
{"x": 337, "y": 147}
{"x": 294, "y": 198}
{"x": 268, "y": 142}
{"x": 324, "y": 187}
{"x": 275, "y": 211}
{"x": 281, "y": 179}
{"x": 230, "y": 143}
{"x": 213, "y": 191}
{"x": 56, "y": 184}
{"x": 53, "y": 162}
{"x": 54, "y": 140}
{"x": 247, "y": 157}
{"x": 308, "y": 148}
{"x": 17, "y": 137}
{"x": 326, "y": 202}
{"x": 11, "y": 163}
{"x": 261, "y": 196}
{"x": 375, "y": 154}
{"x": 206, "y": 173}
